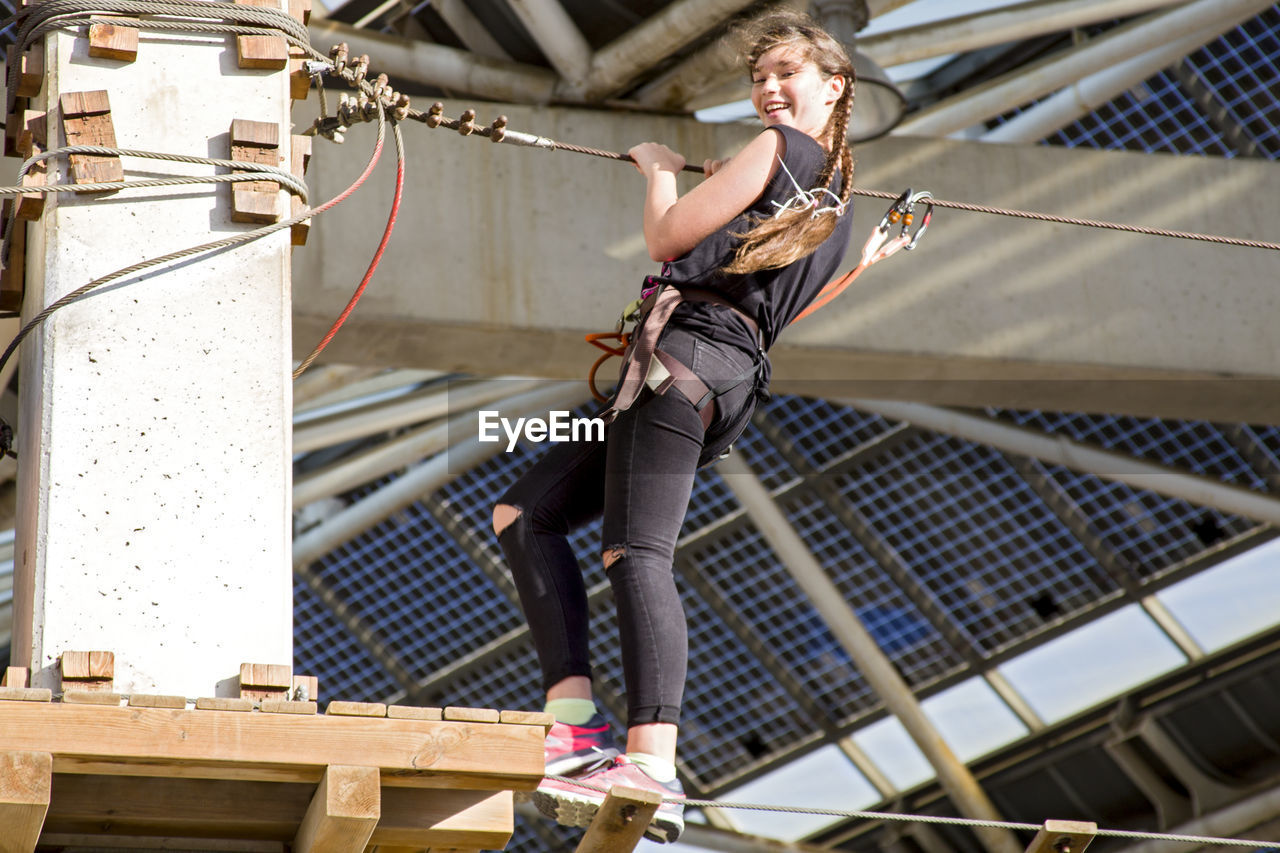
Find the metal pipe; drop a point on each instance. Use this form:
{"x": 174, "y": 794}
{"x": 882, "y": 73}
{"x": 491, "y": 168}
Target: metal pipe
{"x": 427, "y": 406}
{"x": 437, "y": 65}
{"x": 1091, "y": 92}
{"x": 429, "y": 476}
{"x": 324, "y": 379}
{"x": 839, "y": 617}
{"x": 557, "y": 36}
{"x": 716, "y": 66}
{"x": 615, "y": 64}
{"x": 351, "y": 388}
{"x": 1030, "y": 82}
{"x": 1059, "y": 450}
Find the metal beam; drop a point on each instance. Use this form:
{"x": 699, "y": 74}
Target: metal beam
{"x": 436, "y": 65}
{"x": 1078, "y": 456}
{"x": 428, "y": 476}
{"x": 557, "y": 36}
{"x": 469, "y": 28}
{"x": 1115, "y": 47}
{"x": 960, "y": 784}
{"x": 1091, "y": 92}
{"x": 620, "y": 61}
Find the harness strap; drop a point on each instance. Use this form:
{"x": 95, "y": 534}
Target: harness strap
{"x": 655, "y": 312}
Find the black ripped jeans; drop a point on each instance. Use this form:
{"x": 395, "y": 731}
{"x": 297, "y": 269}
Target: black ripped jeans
{"x": 640, "y": 477}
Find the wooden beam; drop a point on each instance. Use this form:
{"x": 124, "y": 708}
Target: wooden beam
{"x": 270, "y": 53}
{"x": 108, "y": 41}
{"x": 1063, "y": 836}
{"x": 343, "y": 813}
{"x": 217, "y": 808}
{"x": 86, "y": 120}
{"x": 273, "y": 747}
{"x": 258, "y": 201}
{"x": 25, "y": 783}
{"x": 621, "y": 821}
{"x": 88, "y": 671}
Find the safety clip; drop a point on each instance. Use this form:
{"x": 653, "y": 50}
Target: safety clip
{"x": 902, "y": 212}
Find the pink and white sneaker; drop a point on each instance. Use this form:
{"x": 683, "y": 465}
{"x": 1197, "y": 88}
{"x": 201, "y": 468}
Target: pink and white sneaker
{"x": 570, "y": 804}
{"x": 574, "y": 750}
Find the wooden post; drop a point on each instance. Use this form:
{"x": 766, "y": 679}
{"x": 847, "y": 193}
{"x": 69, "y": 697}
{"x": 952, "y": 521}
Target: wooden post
{"x": 621, "y": 821}
{"x": 343, "y": 813}
{"x": 1063, "y": 836}
{"x": 26, "y": 779}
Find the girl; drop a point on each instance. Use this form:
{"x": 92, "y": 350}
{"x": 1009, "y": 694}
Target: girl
{"x": 747, "y": 249}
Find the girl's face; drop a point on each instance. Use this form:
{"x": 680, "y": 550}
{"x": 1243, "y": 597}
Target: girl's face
{"x": 788, "y": 89}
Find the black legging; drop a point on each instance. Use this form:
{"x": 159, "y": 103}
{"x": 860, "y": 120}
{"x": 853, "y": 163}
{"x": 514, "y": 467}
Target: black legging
{"x": 640, "y": 477}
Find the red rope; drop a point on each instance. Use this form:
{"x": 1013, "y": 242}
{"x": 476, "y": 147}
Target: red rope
{"x": 377, "y": 255}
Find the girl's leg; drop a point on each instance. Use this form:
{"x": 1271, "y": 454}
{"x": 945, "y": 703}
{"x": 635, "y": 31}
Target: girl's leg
{"x": 562, "y": 491}
{"x": 652, "y": 455}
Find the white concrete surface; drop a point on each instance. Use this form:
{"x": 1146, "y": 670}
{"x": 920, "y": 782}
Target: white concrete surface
{"x": 154, "y": 516}
{"x": 506, "y": 256}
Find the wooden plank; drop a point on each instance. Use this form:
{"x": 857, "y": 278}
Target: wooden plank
{"x": 223, "y": 703}
{"x": 192, "y": 808}
{"x": 15, "y": 676}
{"x": 132, "y": 844}
{"x": 21, "y": 694}
{"x": 155, "y": 700}
{"x": 108, "y": 41}
{"x": 343, "y": 813}
{"x": 621, "y": 821}
{"x": 280, "y": 747}
{"x": 445, "y": 819}
{"x": 86, "y": 120}
{"x": 262, "y": 52}
{"x": 1063, "y": 836}
{"x": 412, "y": 712}
{"x": 13, "y": 285}
{"x": 93, "y": 665}
{"x": 90, "y": 697}
{"x": 357, "y": 709}
{"x": 527, "y": 718}
{"x": 30, "y": 69}
{"x": 25, "y": 783}
{"x": 287, "y": 706}
{"x": 472, "y": 715}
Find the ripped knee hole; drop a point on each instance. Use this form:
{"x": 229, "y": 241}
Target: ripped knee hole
{"x": 613, "y": 555}
{"x": 504, "y": 515}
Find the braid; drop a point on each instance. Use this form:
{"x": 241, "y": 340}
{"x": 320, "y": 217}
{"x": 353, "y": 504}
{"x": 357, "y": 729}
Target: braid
{"x": 780, "y": 240}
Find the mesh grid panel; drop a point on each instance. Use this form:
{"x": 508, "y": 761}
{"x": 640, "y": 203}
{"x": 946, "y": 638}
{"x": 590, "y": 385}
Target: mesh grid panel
{"x": 323, "y": 647}
{"x": 764, "y": 459}
{"x": 1149, "y": 532}
{"x": 1242, "y": 69}
{"x": 750, "y": 577}
{"x": 409, "y": 581}
{"x": 975, "y": 534}
{"x": 903, "y": 633}
{"x": 823, "y": 431}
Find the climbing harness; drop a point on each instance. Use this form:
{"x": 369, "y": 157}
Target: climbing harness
{"x": 645, "y": 365}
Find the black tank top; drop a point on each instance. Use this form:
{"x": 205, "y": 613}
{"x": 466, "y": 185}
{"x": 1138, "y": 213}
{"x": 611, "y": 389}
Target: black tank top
{"x": 773, "y": 297}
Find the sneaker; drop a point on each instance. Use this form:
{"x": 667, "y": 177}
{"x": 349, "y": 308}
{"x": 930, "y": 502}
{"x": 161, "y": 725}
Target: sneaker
{"x": 574, "y": 750}
{"x": 569, "y": 804}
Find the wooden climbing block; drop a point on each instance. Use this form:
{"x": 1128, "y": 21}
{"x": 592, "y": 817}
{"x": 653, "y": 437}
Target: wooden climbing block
{"x": 527, "y": 718}
{"x": 14, "y": 125}
{"x": 88, "y": 671}
{"x": 306, "y": 688}
{"x": 156, "y": 700}
{"x": 1063, "y": 836}
{"x": 299, "y": 160}
{"x": 15, "y": 676}
{"x": 223, "y": 703}
{"x": 13, "y": 284}
{"x": 30, "y": 65}
{"x": 356, "y": 709}
{"x": 108, "y": 41}
{"x": 299, "y": 79}
{"x": 26, "y": 782}
{"x": 411, "y": 712}
{"x": 259, "y": 681}
{"x": 263, "y": 52}
{"x": 287, "y": 706}
{"x": 343, "y": 813}
{"x": 31, "y": 141}
{"x": 256, "y": 201}
{"x": 621, "y": 821}
{"x": 86, "y": 120}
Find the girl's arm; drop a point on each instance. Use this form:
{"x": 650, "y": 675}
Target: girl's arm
{"x": 674, "y": 224}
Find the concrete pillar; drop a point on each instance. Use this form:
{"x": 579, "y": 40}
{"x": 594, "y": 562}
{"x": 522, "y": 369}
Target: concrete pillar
{"x": 154, "y": 473}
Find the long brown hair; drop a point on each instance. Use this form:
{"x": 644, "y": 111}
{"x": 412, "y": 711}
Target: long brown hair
{"x": 777, "y": 241}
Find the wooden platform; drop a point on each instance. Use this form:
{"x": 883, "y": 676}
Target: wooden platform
{"x": 229, "y": 774}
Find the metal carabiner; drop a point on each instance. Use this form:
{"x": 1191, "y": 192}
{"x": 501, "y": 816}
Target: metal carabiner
{"x": 923, "y": 197}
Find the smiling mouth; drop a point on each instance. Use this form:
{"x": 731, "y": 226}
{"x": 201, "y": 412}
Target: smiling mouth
{"x": 770, "y": 109}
